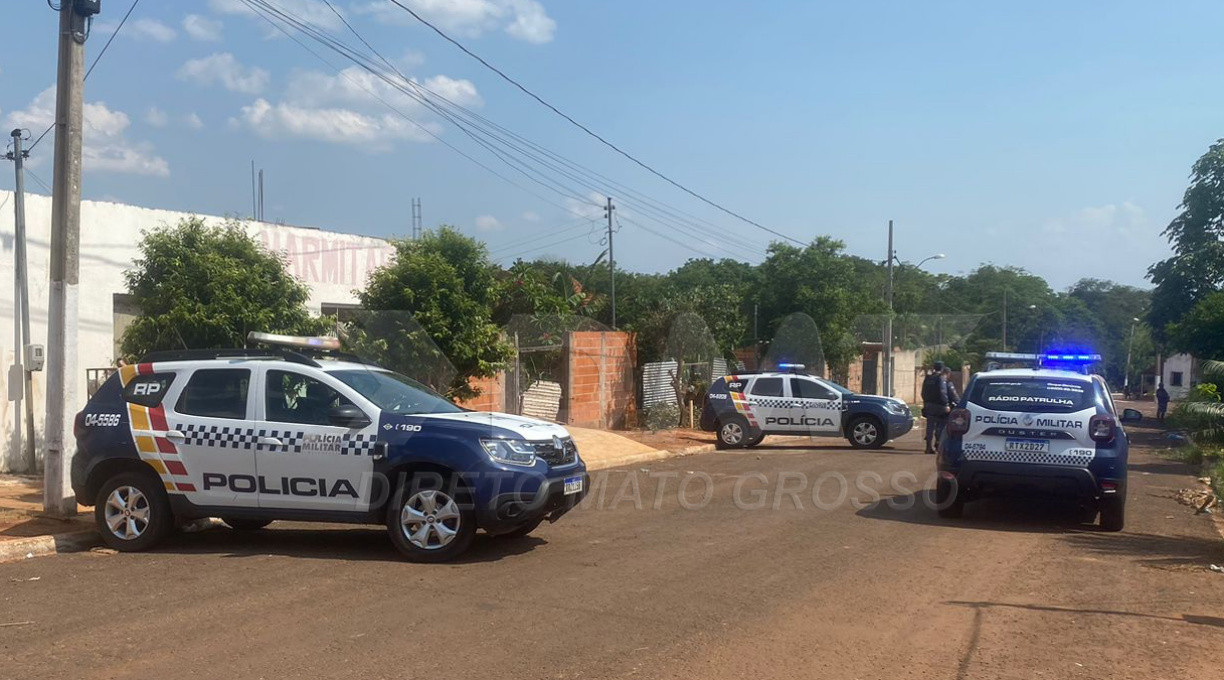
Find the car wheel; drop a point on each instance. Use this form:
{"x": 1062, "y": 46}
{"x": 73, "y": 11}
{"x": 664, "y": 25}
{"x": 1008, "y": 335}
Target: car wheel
{"x": 949, "y": 502}
{"x": 132, "y": 511}
{"x": 245, "y": 524}
{"x": 865, "y": 432}
{"x": 522, "y": 530}
{"x": 755, "y": 439}
{"x": 732, "y": 433}
{"x": 430, "y": 519}
{"x": 1113, "y": 514}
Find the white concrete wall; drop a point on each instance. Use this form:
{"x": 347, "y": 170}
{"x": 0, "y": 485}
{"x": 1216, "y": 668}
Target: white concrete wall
{"x": 331, "y": 264}
{"x": 1183, "y": 363}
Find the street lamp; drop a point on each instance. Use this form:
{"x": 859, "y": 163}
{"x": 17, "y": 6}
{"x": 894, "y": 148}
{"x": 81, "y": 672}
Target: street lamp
{"x": 888, "y": 322}
{"x": 1041, "y": 328}
{"x": 940, "y": 256}
{"x": 1129, "y": 346}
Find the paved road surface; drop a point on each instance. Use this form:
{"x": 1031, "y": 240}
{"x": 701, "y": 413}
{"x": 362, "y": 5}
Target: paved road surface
{"x": 885, "y": 591}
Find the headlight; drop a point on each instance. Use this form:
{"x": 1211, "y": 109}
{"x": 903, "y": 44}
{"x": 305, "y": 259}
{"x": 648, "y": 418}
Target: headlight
{"x": 899, "y": 409}
{"x": 510, "y": 451}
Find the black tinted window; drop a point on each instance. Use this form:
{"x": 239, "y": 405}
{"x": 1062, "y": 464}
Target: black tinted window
{"x": 296, "y": 398}
{"x": 216, "y": 393}
{"x": 148, "y": 390}
{"x": 767, "y": 387}
{"x": 1034, "y": 395}
{"x": 809, "y": 389}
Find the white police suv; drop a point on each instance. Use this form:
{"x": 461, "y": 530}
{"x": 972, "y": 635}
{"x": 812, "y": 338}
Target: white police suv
{"x": 1048, "y": 430}
{"x": 257, "y": 435}
{"x": 745, "y": 407}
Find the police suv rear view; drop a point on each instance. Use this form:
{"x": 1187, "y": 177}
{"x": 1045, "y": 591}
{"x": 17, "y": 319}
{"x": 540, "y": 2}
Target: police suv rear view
{"x": 1050, "y": 430}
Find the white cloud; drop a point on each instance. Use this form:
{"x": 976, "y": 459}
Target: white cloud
{"x": 373, "y": 132}
{"x": 346, "y": 108}
{"x": 488, "y": 223}
{"x": 104, "y": 143}
{"x": 310, "y": 11}
{"x": 202, "y": 28}
{"x": 1114, "y": 219}
{"x": 591, "y": 209}
{"x": 156, "y": 117}
{"x": 522, "y": 19}
{"x": 225, "y": 69}
{"x": 193, "y": 121}
{"x": 139, "y": 29}
{"x": 531, "y": 216}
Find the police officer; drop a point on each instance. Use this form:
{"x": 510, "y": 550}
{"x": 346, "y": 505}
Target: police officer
{"x": 953, "y": 395}
{"x": 935, "y": 404}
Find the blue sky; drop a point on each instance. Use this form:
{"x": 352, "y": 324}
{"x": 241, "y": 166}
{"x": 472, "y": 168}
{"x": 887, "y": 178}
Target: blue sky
{"x": 1048, "y": 135}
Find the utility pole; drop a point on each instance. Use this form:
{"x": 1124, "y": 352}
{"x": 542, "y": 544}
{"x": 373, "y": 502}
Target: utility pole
{"x": 416, "y": 219}
{"x": 1129, "y": 346}
{"x": 1004, "y": 319}
{"x": 611, "y": 261}
{"x": 21, "y": 310}
{"x": 887, "y": 372}
{"x": 65, "y": 263}
{"x": 756, "y": 338}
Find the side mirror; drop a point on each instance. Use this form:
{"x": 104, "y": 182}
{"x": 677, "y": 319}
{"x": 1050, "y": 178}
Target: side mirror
{"x": 1131, "y": 415}
{"x": 347, "y": 415}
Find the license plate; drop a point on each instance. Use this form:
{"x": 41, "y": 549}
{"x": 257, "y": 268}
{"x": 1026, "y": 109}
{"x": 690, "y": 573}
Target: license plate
{"x": 573, "y": 485}
{"x": 1028, "y": 445}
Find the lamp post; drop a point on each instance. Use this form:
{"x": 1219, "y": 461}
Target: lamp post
{"x": 1129, "y": 346}
{"x": 1041, "y": 329}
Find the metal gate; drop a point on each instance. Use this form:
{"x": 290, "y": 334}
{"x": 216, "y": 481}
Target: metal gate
{"x": 534, "y": 380}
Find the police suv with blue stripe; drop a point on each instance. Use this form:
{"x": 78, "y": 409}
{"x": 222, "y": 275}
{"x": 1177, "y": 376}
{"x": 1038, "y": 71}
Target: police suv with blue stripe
{"x": 742, "y": 409}
{"x": 1051, "y": 429}
{"x": 302, "y": 432}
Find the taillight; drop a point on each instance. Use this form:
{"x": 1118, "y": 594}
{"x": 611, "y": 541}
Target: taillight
{"x": 78, "y": 425}
{"x": 958, "y": 422}
{"x": 1101, "y": 429}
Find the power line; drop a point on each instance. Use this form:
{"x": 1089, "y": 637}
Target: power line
{"x": 590, "y": 132}
{"x": 95, "y": 62}
{"x": 473, "y": 124}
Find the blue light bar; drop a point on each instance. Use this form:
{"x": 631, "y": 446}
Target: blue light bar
{"x": 1074, "y": 358}
{"x": 787, "y": 367}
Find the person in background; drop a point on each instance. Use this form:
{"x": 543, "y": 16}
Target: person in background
{"x": 935, "y": 404}
{"x": 953, "y": 395}
{"x": 1162, "y": 402}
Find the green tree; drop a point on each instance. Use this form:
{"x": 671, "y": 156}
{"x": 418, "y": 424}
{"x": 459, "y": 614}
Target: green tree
{"x": 439, "y": 291}
{"x": 1201, "y": 330}
{"x": 198, "y": 286}
{"x": 1196, "y": 268}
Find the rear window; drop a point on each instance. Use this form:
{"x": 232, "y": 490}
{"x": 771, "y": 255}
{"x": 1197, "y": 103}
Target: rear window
{"x": 1033, "y": 395}
{"x": 767, "y": 387}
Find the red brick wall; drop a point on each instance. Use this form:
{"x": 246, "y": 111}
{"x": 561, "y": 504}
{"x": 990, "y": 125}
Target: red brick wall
{"x": 599, "y": 383}
{"x": 492, "y": 394}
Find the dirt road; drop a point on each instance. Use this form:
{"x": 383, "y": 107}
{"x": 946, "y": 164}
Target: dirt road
{"x": 847, "y": 590}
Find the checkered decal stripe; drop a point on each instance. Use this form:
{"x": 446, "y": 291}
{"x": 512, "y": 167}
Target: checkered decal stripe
{"x": 292, "y": 442}
{"x": 218, "y": 436}
{"x": 775, "y": 403}
{"x": 1033, "y": 458}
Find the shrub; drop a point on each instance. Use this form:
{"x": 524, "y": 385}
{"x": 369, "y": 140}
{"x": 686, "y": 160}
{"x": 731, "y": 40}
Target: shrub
{"x": 662, "y": 416}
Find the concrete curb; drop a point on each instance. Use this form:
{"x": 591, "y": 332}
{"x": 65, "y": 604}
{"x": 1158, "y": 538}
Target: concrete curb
{"x": 50, "y": 544}
{"x": 663, "y": 454}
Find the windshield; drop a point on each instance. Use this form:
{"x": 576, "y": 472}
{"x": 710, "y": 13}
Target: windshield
{"x": 395, "y": 393}
{"x": 837, "y": 387}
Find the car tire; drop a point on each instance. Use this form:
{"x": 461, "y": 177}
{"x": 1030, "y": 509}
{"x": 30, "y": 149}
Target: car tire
{"x": 522, "y": 530}
{"x": 949, "y": 502}
{"x": 865, "y": 432}
{"x": 431, "y": 519}
{"x": 132, "y": 511}
{"x": 245, "y": 524}
{"x": 732, "y": 433}
{"x": 755, "y": 440}
{"x": 1113, "y": 514}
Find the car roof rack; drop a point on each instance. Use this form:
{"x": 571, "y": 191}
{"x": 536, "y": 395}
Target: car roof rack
{"x": 230, "y": 353}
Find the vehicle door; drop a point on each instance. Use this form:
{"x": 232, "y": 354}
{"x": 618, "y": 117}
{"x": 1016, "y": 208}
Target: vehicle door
{"x": 209, "y": 424}
{"x": 310, "y": 454}
{"x": 822, "y": 405}
{"x": 773, "y": 409}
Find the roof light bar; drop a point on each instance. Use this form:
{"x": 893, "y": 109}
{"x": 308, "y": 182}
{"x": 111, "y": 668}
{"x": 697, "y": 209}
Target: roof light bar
{"x": 791, "y": 367}
{"x": 298, "y": 341}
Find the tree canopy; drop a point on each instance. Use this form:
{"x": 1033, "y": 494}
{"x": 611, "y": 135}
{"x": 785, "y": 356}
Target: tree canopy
{"x": 197, "y": 286}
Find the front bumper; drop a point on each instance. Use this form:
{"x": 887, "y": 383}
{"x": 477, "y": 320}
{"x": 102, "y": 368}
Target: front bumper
{"x": 511, "y": 509}
{"x": 899, "y": 425}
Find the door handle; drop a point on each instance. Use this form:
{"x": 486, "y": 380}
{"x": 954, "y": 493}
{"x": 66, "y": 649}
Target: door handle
{"x": 268, "y": 441}
{"x": 175, "y": 434}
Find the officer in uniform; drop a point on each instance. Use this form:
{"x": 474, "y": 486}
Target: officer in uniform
{"x": 935, "y": 404}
